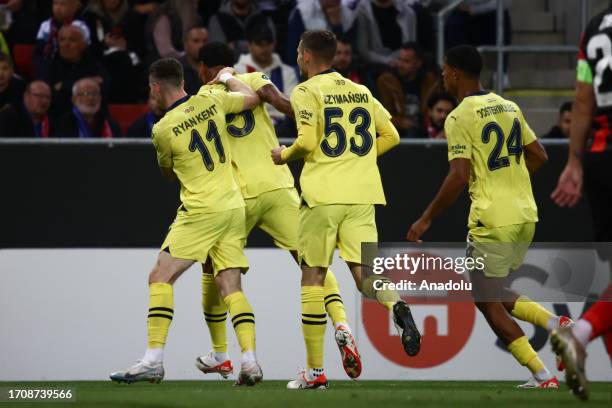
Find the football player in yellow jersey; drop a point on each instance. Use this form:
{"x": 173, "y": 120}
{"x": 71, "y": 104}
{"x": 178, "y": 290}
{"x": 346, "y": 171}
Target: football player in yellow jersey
{"x": 210, "y": 221}
{"x": 337, "y": 123}
{"x": 491, "y": 146}
{"x": 272, "y": 204}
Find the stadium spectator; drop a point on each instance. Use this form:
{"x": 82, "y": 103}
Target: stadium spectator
{"x": 86, "y": 119}
{"x": 195, "y": 38}
{"x": 405, "y": 91}
{"x": 208, "y": 8}
{"x": 141, "y": 11}
{"x": 230, "y": 24}
{"x": 262, "y": 58}
{"x": 11, "y": 87}
{"x": 109, "y": 21}
{"x": 24, "y": 24}
{"x": 30, "y": 119}
{"x": 343, "y": 61}
{"x": 72, "y": 63}
{"x": 475, "y": 23}
{"x": 334, "y": 15}
{"x": 143, "y": 126}
{"x": 439, "y": 105}
{"x": 112, "y": 40}
{"x": 562, "y": 129}
{"x": 384, "y": 25}
{"x": 65, "y": 12}
{"x": 166, "y": 27}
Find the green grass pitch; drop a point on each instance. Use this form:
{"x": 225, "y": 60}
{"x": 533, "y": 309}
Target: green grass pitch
{"x": 341, "y": 394}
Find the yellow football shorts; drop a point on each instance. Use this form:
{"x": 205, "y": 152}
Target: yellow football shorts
{"x": 220, "y": 235}
{"x": 323, "y": 228}
{"x": 276, "y": 212}
{"x": 502, "y": 249}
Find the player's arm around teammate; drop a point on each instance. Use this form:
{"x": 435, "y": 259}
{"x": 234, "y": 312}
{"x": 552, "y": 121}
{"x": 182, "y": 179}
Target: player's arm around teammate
{"x": 270, "y": 94}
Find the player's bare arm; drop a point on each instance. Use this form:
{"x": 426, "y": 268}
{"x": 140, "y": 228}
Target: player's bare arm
{"x": 270, "y": 94}
{"x": 456, "y": 180}
{"x": 569, "y": 187}
{"x": 225, "y": 76}
{"x": 535, "y": 156}
{"x": 168, "y": 173}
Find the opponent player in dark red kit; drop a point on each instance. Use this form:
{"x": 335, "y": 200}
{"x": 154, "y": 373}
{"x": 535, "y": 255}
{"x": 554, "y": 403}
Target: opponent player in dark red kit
{"x": 590, "y": 151}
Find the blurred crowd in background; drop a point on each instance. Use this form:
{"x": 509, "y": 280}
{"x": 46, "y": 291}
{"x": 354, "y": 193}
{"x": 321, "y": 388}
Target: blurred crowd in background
{"x": 78, "y": 68}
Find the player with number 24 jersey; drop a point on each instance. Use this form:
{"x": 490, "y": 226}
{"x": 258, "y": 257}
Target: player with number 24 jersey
{"x": 491, "y": 131}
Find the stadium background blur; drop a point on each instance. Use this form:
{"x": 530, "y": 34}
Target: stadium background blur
{"x": 110, "y": 195}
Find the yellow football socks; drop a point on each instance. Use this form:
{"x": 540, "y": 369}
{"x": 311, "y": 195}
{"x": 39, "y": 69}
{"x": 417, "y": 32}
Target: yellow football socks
{"x": 160, "y": 314}
{"x": 314, "y": 321}
{"x": 387, "y": 298}
{"x": 215, "y": 313}
{"x": 529, "y": 311}
{"x": 333, "y": 301}
{"x": 243, "y": 320}
{"x": 526, "y": 355}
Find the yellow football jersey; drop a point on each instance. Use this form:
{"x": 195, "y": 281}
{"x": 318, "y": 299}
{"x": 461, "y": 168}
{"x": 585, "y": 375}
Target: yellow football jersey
{"x": 491, "y": 131}
{"x": 342, "y": 169}
{"x": 190, "y": 140}
{"x": 251, "y": 137}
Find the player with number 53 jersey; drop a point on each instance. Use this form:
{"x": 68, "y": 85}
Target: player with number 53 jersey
{"x": 342, "y": 129}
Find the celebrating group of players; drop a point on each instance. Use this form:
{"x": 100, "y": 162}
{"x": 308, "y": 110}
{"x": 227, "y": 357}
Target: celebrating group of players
{"x": 218, "y": 145}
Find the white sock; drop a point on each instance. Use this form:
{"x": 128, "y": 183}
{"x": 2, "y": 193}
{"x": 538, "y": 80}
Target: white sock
{"x": 249, "y": 357}
{"x": 313, "y": 373}
{"x": 543, "y": 375}
{"x": 553, "y": 323}
{"x": 345, "y": 324}
{"x": 582, "y": 331}
{"x": 220, "y": 357}
{"x": 152, "y": 356}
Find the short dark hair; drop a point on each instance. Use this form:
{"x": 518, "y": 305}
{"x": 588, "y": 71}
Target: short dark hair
{"x": 216, "y": 54}
{"x": 344, "y": 39}
{"x": 167, "y": 70}
{"x": 4, "y": 57}
{"x": 259, "y": 32}
{"x": 414, "y": 46}
{"x": 196, "y": 26}
{"x": 440, "y": 96}
{"x": 321, "y": 43}
{"x": 566, "y": 107}
{"x": 465, "y": 58}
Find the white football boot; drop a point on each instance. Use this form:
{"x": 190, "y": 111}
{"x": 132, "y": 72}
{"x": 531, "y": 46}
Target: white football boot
{"x": 140, "y": 371}
{"x": 209, "y": 364}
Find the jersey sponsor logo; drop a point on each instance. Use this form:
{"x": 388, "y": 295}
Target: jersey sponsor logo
{"x": 457, "y": 149}
{"x": 305, "y": 115}
{"x": 494, "y": 110}
{"x": 345, "y": 98}
{"x": 195, "y": 120}
{"x": 445, "y": 324}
